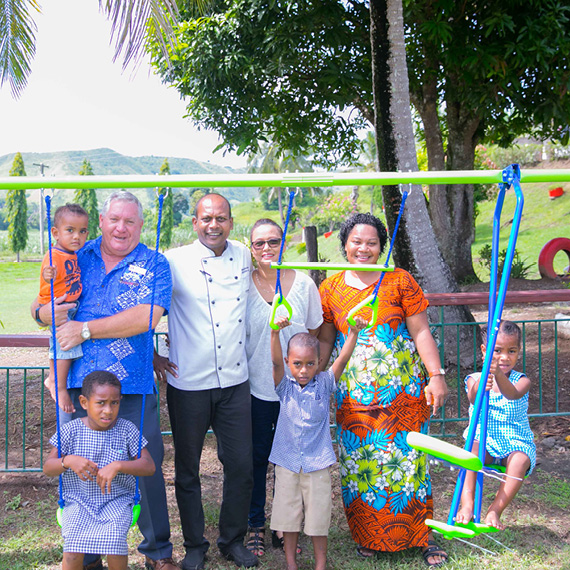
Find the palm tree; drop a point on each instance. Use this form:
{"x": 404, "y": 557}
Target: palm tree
{"x": 132, "y": 22}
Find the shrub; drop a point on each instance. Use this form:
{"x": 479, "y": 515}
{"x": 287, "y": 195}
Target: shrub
{"x": 519, "y": 268}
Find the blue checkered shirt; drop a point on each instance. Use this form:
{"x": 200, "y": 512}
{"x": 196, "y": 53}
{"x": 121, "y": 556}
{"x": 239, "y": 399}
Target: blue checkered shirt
{"x": 127, "y": 285}
{"x": 303, "y": 436}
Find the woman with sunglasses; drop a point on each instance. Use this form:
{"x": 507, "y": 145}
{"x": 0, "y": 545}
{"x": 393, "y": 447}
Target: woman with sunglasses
{"x": 303, "y": 296}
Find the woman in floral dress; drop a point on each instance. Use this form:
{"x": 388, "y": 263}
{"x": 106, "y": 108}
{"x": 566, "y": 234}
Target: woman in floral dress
{"x": 383, "y": 395}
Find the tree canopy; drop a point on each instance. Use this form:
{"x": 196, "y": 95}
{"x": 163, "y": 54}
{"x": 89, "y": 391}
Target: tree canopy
{"x": 299, "y": 74}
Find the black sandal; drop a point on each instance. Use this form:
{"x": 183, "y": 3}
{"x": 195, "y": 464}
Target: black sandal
{"x": 433, "y": 549}
{"x": 256, "y": 542}
{"x": 277, "y": 542}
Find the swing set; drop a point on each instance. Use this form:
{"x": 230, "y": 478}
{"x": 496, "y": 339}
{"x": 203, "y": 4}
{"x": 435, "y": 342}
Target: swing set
{"x": 463, "y": 458}
{"x": 511, "y": 176}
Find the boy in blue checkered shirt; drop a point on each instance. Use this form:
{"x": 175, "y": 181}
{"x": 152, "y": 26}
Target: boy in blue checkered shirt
{"x": 99, "y": 459}
{"x": 302, "y": 449}
{"x": 510, "y": 441}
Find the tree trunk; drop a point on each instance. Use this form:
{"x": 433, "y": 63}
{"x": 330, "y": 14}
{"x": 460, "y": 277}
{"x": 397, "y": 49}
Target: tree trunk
{"x": 354, "y": 198}
{"x": 416, "y": 247}
{"x": 450, "y": 206}
{"x": 317, "y": 275}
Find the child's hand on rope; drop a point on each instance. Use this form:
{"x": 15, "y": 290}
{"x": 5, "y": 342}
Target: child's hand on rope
{"x": 359, "y": 323}
{"x": 49, "y": 273}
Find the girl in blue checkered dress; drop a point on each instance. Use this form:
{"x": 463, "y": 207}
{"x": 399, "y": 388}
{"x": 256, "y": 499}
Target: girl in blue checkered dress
{"x": 510, "y": 441}
{"x": 98, "y": 462}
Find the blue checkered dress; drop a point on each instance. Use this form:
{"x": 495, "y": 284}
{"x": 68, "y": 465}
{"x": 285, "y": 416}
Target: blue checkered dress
{"x": 94, "y": 523}
{"x": 508, "y": 427}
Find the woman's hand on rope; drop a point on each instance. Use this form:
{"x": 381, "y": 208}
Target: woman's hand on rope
{"x": 436, "y": 392}
{"x": 162, "y": 365}
{"x": 281, "y": 322}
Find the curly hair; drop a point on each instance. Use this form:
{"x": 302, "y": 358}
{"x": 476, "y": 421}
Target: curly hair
{"x": 365, "y": 219}
{"x": 98, "y": 378}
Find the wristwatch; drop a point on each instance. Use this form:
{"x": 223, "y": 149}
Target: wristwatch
{"x": 85, "y": 332}
{"x": 37, "y": 317}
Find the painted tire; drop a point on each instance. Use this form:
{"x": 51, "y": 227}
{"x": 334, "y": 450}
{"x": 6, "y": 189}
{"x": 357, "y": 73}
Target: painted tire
{"x": 547, "y": 254}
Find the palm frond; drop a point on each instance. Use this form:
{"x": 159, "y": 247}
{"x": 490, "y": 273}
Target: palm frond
{"x": 17, "y": 43}
{"x": 133, "y": 20}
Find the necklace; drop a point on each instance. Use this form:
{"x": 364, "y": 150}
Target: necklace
{"x": 263, "y": 287}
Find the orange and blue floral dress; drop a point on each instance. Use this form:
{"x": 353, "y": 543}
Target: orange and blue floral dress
{"x": 386, "y": 486}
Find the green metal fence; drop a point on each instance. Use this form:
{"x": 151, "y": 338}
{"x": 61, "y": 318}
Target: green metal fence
{"x": 27, "y": 417}
{"x": 545, "y": 359}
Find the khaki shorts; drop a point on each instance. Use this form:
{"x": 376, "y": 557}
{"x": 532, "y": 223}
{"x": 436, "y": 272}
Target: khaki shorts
{"x": 295, "y": 492}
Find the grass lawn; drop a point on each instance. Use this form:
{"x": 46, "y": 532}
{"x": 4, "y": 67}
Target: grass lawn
{"x": 535, "y": 538}
{"x": 20, "y": 285}
{"x": 542, "y": 220}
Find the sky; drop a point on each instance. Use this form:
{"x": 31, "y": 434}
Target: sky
{"x": 78, "y": 99}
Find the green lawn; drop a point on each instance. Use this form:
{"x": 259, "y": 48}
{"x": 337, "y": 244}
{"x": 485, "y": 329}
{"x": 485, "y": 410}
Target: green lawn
{"x": 542, "y": 220}
{"x": 20, "y": 286}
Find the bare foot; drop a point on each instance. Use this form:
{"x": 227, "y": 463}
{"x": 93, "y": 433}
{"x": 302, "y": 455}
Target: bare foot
{"x": 292, "y": 567}
{"x": 65, "y": 401}
{"x": 492, "y": 519}
{"x": 49, "y": 383}
{"x": 464, "y": 515}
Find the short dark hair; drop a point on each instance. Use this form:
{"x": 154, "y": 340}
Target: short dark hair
{"x": 305, "y": 340}
{"x": 68, "y": 208}
{"x": 264, "y": 222}
{"x": 508, "y": 328}
{"x": 99, "y": 378}
{"x": 368, "y": 220}
{"x": 195, "y": 213}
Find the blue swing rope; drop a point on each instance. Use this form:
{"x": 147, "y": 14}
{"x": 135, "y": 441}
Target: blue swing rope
{"x": 405, "y": 195}
{"x": 61, "y": 501}
{"x": 150, "y": 347}
{"x": 511, "y": 177}
{"x": 278, "y": 289}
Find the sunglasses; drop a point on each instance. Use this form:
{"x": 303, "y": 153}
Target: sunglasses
{"x": 260, "y": 244}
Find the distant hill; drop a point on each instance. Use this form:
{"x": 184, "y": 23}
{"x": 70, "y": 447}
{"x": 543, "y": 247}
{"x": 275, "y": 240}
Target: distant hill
{"x": 106, "y": 161}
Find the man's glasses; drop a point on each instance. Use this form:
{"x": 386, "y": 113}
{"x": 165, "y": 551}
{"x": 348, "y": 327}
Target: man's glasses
{"x": 260, "y": 244}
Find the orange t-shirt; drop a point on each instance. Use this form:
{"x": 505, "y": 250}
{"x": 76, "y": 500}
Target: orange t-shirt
{"x": 68, "y": 279}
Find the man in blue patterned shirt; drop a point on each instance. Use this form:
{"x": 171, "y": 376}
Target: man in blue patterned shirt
{"x": 118, "y": 275}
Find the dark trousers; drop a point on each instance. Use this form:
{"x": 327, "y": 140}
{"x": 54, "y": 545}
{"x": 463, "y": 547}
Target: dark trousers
{"x": 264, "y": 416}
{"x": 228, "y": 412}
{"x": 153, "y": 521}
